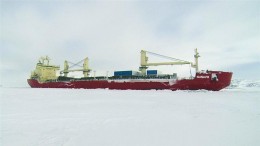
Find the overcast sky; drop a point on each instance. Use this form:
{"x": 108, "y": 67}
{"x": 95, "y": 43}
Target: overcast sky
{"x": 112, "y": 33}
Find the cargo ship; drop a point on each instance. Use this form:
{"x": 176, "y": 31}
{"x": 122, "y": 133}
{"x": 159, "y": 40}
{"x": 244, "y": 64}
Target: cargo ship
{"x": 45, "y": 76}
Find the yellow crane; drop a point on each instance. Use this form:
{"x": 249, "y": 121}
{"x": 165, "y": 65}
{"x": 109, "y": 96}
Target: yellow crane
{"x": 144, "y": 61}
{"x": 85, "y": 67}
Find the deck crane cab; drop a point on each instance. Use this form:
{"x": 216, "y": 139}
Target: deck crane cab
{"x": 145, "y": 64}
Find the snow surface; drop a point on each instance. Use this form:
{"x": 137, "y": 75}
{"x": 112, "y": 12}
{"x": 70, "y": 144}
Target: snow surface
{"x": 80, "y": 117}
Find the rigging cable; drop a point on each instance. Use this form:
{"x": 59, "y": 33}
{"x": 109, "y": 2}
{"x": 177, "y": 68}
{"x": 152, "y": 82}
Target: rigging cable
{"x": 171, "y": 58}
{"x": 76, "y": 64}
{"x": 73, "y": 64}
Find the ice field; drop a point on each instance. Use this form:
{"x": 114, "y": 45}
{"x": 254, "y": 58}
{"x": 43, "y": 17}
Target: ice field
{"x": 80, "y": 117}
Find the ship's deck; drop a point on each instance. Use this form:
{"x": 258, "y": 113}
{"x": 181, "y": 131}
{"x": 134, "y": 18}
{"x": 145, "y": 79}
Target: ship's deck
{"x": 62, "y": 78}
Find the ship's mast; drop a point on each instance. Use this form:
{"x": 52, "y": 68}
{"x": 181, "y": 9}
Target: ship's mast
{"x": 144, "y": 63}
{"x": 66, "y": 68}
{"x": 196, "y": 57}
{"x": 86, "y": 68}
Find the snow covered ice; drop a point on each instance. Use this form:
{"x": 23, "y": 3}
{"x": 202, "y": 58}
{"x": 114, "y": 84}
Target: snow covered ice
{"x": 80, "y": 117}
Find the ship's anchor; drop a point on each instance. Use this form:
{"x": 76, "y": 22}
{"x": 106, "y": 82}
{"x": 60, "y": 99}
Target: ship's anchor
{"x": 214, "y": 77}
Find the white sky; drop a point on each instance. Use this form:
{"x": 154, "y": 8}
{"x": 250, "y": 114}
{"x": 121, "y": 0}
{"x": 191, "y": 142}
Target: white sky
{"x": 112, "y": 33}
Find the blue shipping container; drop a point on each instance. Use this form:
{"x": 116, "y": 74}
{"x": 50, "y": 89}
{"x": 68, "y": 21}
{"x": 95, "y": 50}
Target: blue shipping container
{"x": 125, "y": 73}
{"x": 152, "y": 72}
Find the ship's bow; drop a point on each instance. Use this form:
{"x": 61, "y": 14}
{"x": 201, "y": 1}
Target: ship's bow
{"x": 223, "y": 79}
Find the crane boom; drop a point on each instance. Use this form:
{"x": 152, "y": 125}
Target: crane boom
{"x": 145, "y": 64}
{"x": 167, "y": 63}
{"x": 163, "y": 56}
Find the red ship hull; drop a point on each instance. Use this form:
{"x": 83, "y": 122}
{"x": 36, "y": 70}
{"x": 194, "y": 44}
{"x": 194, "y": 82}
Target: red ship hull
{"x": 201, "y": 81}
